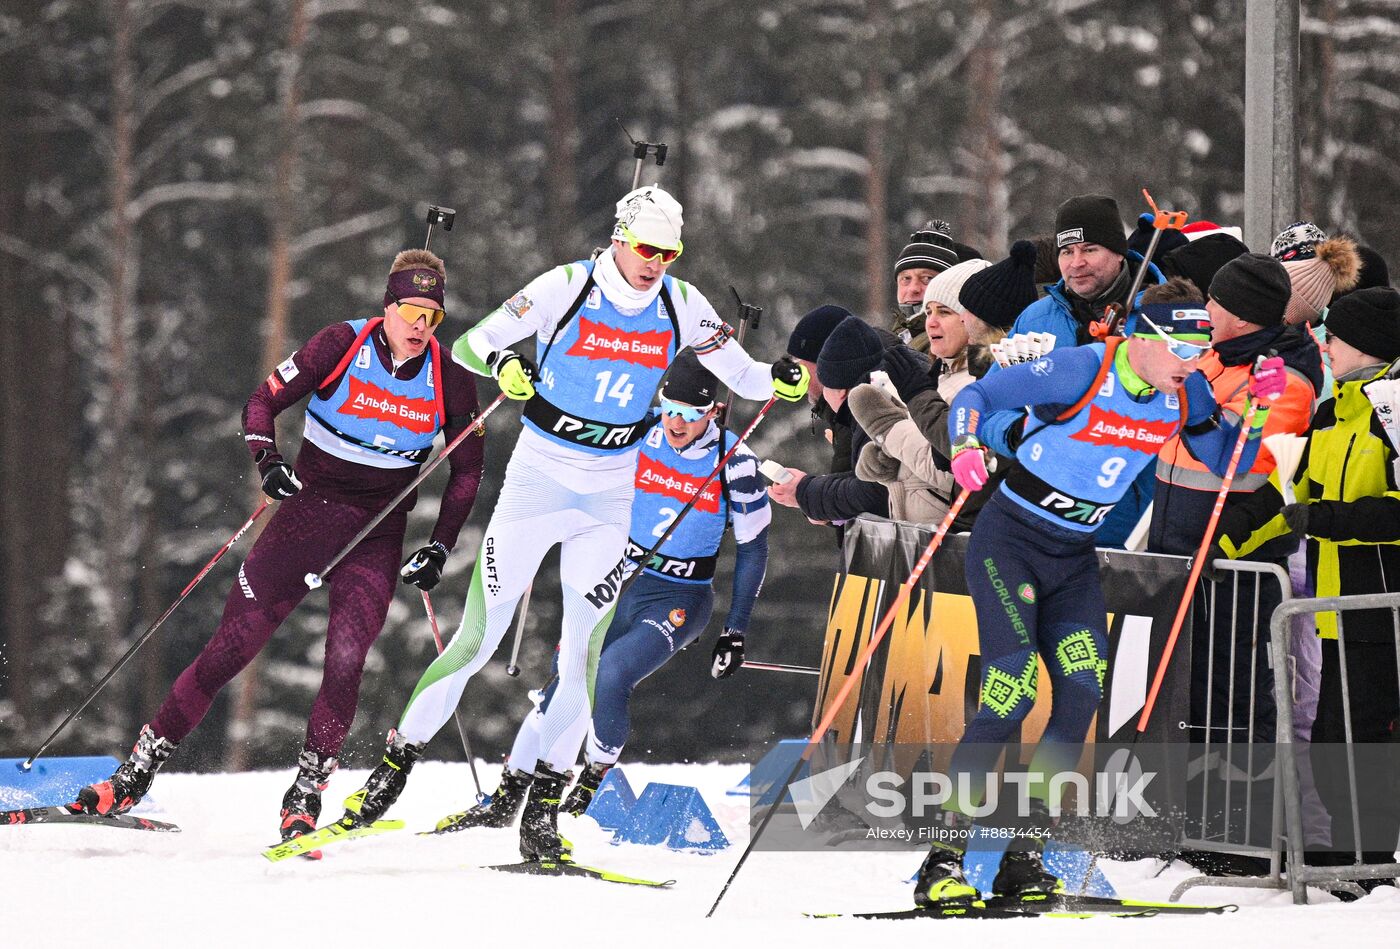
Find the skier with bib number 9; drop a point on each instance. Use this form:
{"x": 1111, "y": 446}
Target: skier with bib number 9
{"x": 380, "y": 392}
{"x": 1099, "y": 415}
{"x": 604, "y": 332}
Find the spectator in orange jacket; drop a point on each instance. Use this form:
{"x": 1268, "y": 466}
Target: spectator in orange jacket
{"x": 1248, "y": 298}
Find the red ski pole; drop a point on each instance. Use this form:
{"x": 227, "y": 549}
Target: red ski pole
{"x": 905, "y": 590}
{"x": 150, "y": 631}
{"x": 1196, "y": 564}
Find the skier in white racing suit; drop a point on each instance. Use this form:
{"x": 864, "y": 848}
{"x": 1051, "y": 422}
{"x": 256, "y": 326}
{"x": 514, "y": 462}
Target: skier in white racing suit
{"x": 605, "y": 332}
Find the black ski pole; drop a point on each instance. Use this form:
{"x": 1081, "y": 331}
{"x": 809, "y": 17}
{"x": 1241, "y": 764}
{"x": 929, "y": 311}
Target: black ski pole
{"x": 28, "y": 763}
{"x": 748, "y": 317}
{"x": 513, "y": 667}
{"x": 640, "y": 151}
{"x": 438, "y": 215}
{"x": 456, "y": 713}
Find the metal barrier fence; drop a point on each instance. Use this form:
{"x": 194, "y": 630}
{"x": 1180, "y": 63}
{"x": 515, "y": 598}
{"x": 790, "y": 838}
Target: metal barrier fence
{"x": 1299, "y": 873}
{"x": 1235, "y": 807}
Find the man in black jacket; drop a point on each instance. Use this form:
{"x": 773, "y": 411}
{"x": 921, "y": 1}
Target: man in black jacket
{"x": 805, "y": 345}
{"x": 851, "y": 353}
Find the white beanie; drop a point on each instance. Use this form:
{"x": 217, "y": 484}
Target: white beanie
{"x": 945, "y": 286}
{"x": 652, "y": 215}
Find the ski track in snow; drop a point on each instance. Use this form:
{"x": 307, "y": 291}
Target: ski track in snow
{"x": 210, "y": 887}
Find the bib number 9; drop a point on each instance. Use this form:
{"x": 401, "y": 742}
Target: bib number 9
{"x": 1111, "y": 469}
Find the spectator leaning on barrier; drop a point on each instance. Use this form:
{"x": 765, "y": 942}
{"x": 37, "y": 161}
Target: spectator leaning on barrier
{"x": 1348, "y": 508}
{"x": 804, "y": 345}
{"x": 909, "y": 452}
{"x": 1248, "y": 297}
{"x": 930, "y": 251}
{"x": 852, "y": 352}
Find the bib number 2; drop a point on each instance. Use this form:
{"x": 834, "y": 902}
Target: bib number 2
{"x": 621, "y": 390}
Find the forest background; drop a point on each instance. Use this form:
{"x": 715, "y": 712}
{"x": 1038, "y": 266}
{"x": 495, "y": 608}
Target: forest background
{"x": 189, "y": 190}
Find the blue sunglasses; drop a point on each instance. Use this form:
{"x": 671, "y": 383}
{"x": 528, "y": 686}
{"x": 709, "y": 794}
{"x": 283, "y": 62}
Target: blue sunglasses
{"x": 1180, "y": 348}
{"x": 689, "y": 413}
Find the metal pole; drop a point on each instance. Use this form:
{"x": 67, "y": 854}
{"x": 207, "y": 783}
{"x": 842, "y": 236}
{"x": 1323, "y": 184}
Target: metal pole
{"x": 781, "y": 667}
{"x": 1270, "y": 110}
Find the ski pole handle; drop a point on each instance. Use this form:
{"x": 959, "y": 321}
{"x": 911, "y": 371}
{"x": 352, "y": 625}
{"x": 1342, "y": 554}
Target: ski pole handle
{"x": 314, "y": 580}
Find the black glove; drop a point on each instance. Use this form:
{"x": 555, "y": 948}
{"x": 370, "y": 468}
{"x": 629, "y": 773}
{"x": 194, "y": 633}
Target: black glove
{"x": 1209, "y": 572}
{"x": 279, "y": 481}
{"x": 910, "y": 371}
{"x": 424, "y": 568}
{"x": 1016, "y": 432}
{"x": 1297, "y": 516}
{"x": 728, "y": 654}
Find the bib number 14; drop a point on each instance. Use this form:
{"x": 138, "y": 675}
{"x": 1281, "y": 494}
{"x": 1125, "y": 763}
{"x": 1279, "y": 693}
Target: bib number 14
{"x": 621, "y": 390}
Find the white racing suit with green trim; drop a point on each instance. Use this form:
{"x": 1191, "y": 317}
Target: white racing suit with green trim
{"x": 556, "y": 493}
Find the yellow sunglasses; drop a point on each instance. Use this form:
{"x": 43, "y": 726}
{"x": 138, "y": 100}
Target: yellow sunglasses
{"x": 651, "y": 252}
{"x": 412, "y": 312}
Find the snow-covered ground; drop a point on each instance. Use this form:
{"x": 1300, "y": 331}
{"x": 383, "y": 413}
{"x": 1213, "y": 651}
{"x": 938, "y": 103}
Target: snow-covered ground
{"x": 209, "y": 887}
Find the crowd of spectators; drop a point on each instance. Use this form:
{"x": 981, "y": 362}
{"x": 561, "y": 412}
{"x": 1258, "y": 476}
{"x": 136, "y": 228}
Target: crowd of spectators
{"x": 882, "y": 388}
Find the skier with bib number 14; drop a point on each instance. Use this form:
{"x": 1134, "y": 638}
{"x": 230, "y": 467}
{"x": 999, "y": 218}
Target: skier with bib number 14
{"x": 604, "y": 332}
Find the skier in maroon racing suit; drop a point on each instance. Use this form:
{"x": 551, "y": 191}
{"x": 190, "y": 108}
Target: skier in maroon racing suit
{"x": 380, "y": 392}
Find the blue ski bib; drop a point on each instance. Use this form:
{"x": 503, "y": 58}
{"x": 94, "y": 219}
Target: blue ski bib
{"x": 665, "y": 483}
{"x": 599, "y": 373}
{"x": 1074, "y": 472}
{"x": 373, "y": 418}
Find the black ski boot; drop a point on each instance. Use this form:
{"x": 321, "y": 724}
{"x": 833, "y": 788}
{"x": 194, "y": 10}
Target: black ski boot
{"x": 385, "y": 784}
{"x": 1022, "y": 874}
{"x": 498, "y": 810}
{"x": 940, "y": 884}
{"x": 582, "y": 794}
{"x": 539, "y": 825}
{"x": 1023, "y": 877}
{"x": 130, "y": 782}
{"x": 301, "y": 805}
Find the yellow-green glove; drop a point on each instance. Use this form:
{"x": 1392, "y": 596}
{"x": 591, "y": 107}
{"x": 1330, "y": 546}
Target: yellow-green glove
{"x": 515, "y": 373}
{"x": 790, "y": 379}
